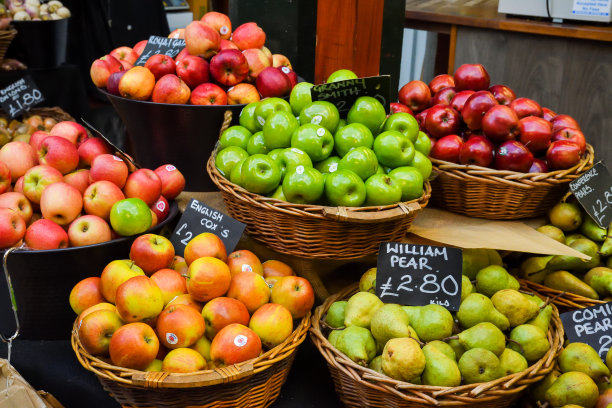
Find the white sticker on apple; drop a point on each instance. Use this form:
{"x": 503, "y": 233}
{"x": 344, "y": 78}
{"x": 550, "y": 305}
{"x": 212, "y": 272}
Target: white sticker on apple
{"x": 117, "y": 158}
{"x": 299, "y": 169}
{"x": 320, "y": 131}
{"x": 170, "y": 167}
{"x": 161, "y": 206}
{"x": 286, "y": 70}
{"x": 316, "y": 119}
{"x": 261, "y": 120}
{"x": 224, "y": 30}
{"x": 240, "y": 340}
{"x": 246, "y": 268}
{"x": 171, "y": 338}
{"x": 333, "y": 167}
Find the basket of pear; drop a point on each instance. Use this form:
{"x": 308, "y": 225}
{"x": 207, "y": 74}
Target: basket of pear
{"x": 572, "y": 282}
{"x": 497, "y": 344}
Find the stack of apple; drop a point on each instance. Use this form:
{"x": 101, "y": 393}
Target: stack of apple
{"x": 64, "y": 188}
{"x": 303, "y": 152}
{"x": 472, "y": 123}
{"x": 23, "y": 129}
{"x": 161, "y": 312}
{"x": 217, "y": 67}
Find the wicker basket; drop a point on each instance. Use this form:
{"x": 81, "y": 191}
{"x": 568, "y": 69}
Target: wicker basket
{"x": 253, "y": 383}
{"x": 361, "y": 387}
{"x": 564, "y": 301}
{"x": 316, "y": 231}
{"x": 54, "y": 112}
{"x": 500, "y": 194}
{"x": 6, "y": 37}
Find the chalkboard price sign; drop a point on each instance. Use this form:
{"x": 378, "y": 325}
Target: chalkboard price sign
{"x": 418, "y": 275}
{"x": 20, "y": 96}
{"x": 594, "y": 192}
{"x": 199, "y": 218}
{"x": 344, "y": 93}
{"x": 160, "y": 45}
{"x": 592, "y": 325}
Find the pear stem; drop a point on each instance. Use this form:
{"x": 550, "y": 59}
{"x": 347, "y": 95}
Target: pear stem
{"x": 451, "y": 338}
{"x": 544, "y": 405}
{"x": 418, "y": 341}
{"x": 327, "y": 326}
{"x": 606, "y": 379}
{"x": 518, "y": 344}
{"x": 526, "y": 292}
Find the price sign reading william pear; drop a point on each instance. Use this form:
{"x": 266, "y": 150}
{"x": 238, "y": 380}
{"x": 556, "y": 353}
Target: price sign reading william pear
{"x": 419, "y": 275}
{"x": 594, "y": 192}
{"x": 592, "y": 325}
{"x": 20, "y": 96}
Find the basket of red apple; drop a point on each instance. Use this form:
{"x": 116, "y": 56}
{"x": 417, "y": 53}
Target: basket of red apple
{"x": 206, "y": 330}
{"x": 324, "y": 184}
{"x": 495, "y": 155}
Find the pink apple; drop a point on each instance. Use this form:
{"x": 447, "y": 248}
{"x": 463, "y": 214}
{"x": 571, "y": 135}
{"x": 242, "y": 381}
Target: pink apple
{"x": 229, "y": 67}
{"x": 161, "y": 208}
{"x": 477, "y": 150}
{"x": 242, "y": 94}
{"x": 58, "y": 153}
{"x": 563, "y": 154}
{"x": 102, "y": 68}
{"x": 90, "y": 149}
{"x": 249, "y": 35}
{"x": 257, "y": 61}
{"x": 526, "y": 107}
{"x": 173, "y": 181}
{"x": 476, "y": 107}
{"x": 160, "y": 65}
{"x": 536, "y": 133}
{"x": 88, "y": 230}
{"x": 61, "y": 203}
{"x": 447, "y": 148}
{"x": 279, "y": 60}
{"x": 140, "y": 45}
{"x": 18, "y": 203}
{"x": 144, "y": 184}
{"x": 5, "y": 178}
{"x": 574, "y": 135}
{"x": 502, "y": 94}
{"x": 12, "y": 228}
{"x": 78, "y": 179}
{"x": 440, "y": 82}
{"x": 125, "y": 54}
{"x": 500, "y": 123}
{"x": 18, "y": 187}
{"x": 112, "y": 85}
{"x": 416, "y": 95}
{"x": 220, "y": 22}
{"x": 99, "y": 197}
{"x": 37, "y": 179}
{"x": 201, "y": 39}
{"x": 272, "y": 82}
{"x": 228, "y": 45}
{"x": 171, "y": 89}
{"x": 208, "y": 94}
{"x": 471, "y": 76}
{"x": 152, "y": 252}
{"x": 71, "y": 131}
{"x": 46, "y": 234}
{"x": 19, "y": 157}
{"x": 558, "y": 122}
{"x": 109, "y": 167}
{"x": 193, "y": 70}
{"x": 459, "y": 100}
{"x": 37, "y": 137}
{"x": 514, "y": 156}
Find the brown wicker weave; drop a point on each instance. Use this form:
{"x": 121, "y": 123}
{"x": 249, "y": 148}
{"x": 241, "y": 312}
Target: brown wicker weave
{"x": 361, "y": 387}
{"x": 6, "y": 37}
{"x": 54, "y": 112}
{"x": 500, "y": 194}
{"x": 564, "y": 301}
{"x": 253, "y": 383}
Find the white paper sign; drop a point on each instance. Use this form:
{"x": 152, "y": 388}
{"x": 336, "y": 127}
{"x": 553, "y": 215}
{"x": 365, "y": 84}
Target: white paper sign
{"x": 591, "y": 8}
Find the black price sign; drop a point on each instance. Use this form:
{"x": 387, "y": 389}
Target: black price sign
{"x": 419, "y": 275}
{"x": 592, "y": 325}
{"x": 160, "y": 45}
{"x": 344, "y": 93}
{"x": 20, "y": 96}
{"x": 199, "y": 218}
{"x": 594, "y": 192}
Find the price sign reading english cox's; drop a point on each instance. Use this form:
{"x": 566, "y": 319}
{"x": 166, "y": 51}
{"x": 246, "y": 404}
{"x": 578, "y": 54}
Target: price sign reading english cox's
{"x": 20, "y": 96}
{"x": 592, "y": 325}
{"x": 418, "y": 275}
{"x": 199, "y": 218}
{"x": 160, "y": 45}
{"x": 594, "y": 192}
{"x": 344, "y": 93}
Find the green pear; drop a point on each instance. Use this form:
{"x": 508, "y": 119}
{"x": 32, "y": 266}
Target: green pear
{"x": 552, "y": 232}
{"x": 494, "y": 278}
{"x": 566, "y": 262}
{"x": 376, "y": 364}
{"x": 403, "y": 359}
{"x": 514, "y": 306}
{"x": 367, "y": 283}
{"x": 536, "y": 299}
{"x": 512, "y": 362}
{"x": 600, "y": 279}
{"x": 483, "y": 335}
{"x": 609, "y": 359}
{"x": 335, "y": 314}
{"x": 333, "y": 337}
{"x": 530, "y": 341}
{"x": 566, "y": 216}
{"x": 591, "y": 230}
{"x": 606, "y": 248}
{"x": 358, "y": 344}
{"x": 538, "y": 390}
{"x": 360, "y": 308}
{"x": 474, "y": 259}
{"x": 542, "y": 319}
{"x": 494, "y": 257}
{"x": 457, "y": 348}
{"x": 390, "y": 322}
{"x": 582, "y": 357}
{"x": 567, "y": 282}
{"x": 477, "y": 308}
{"x": 572, "y": 237}
{"x": 534, "y": 268}
{"x": 440, "y": 370}
{"x": 573, "y": 387}
{"x": 466, "y": 287}
{"x": 431, "y": 322}
{"x": 444, "y": 348}
{"x": 479, "y": 365}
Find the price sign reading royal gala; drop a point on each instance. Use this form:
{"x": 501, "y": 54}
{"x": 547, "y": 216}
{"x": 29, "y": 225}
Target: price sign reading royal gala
{"x": 199, "y": 218}
{"x": 418, "y": 275}
{"x": 19, "y": 96}
{"x": 160, "y": 45}
{"x": 594, "y": 192}
{"x": 592, "y": 325}
{"x": 344, "y": 93}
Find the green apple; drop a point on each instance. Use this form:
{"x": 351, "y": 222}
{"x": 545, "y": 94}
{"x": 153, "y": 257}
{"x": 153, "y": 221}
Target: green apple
{"x": 315, "y": 140}
{"x": 227, "y": 158}
{"x": 422, "y": 164}
{"x": 236, "y": 174}
{"x": 321, "y": 113}
{"x": 381, "y": 169}
{"x": 410, "y": 181}
{"x": 300, "y": 97}
{"x": 345, "y": 188}
{"x": 291, "y": 158}
{"x": 247, "y": 117}
{"x": 268, "y": 106}
{"x": 256, "y": 144}
{"x": 341, "y": 123}
{"x": 404, "y": 123}
{"x": 278, "y": 129}
{"x": 130, "y": 216}
{"x": 341, "y": 75}
{"x": 278, "y": 194}
{"x": 260, "y": 174}
{"x": 274, "y": 153}
{"x": 328, "y": 165}
{"x": 423, "y": 143}
{"x": 369, "y": 111}
{"x": 393, "y": 149}
{"x": 381, "y": 189}
{"x": 234, "y": 136}
{"x": 352, "y": 136}
{"x": 303, "y": 185}
{"x": 360, "y": 160}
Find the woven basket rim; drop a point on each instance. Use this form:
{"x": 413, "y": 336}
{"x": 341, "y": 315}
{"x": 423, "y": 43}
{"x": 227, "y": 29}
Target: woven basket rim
{"x": 124, "y": 376}
{"x": 562, "y": 298}
{"x": 435, "y": 395}
{"x": 518, "y": 179}
{"x": 51, "y": 111}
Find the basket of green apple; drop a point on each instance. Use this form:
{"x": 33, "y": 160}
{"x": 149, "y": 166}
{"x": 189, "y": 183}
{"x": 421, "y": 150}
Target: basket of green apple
{"x": 310, "y": 184}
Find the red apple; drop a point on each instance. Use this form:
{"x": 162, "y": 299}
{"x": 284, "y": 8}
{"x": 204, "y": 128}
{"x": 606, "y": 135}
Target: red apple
{"x": 208, "y": 94}
{"x": 183, "y": 360}
{"x": 477, "y": 150}
{"x": 96, "y": 329}
{"x": 85, "y": 294}
{"x": 295, "y": 294}
{"x": 112, "y": 85}
{"x": 170, "y": 282}
{"x": 459, "y": 100}
{"x": 220, "y": 22}
{"x": 538, "y": 166}
{"x": 18, "y": 203}
{"x": 234, "y": 344}
{"x": 442, "y": 120}
{"x": 447, "y": 148}
{"x": 99, "y": 197}
{"x": 161, "y": 208}
{"x": 19, "y": 157}
{"x": 291, "y": 74}
{"x": 514, "y": 156}
{"x": 144, "y": 184}
{"x": 443, "y": 96}
{"x": 88, "y": 230}
{"x": 229, "y": 45}
{"x": 36, "y": 179}
{"x": 242, "y": 94}
{"x": 102, "y": 68}
{"x": 138, "y": 299}
{"x": 279, "y": 61}
{"x": 179, "y": 326}
{"x": 229, "y": 67}
{"x": 12, "y": 228}
{"x": 223, "y": 311}
{"x": 558, "y": 122}
{"x": 36, "y": 138}
{"x": 421, "y": 118}
{"x": 61, "y": 203}
{"x": 526, "y": 107}
{"x": 201, "y": 39}
{"x": 257, "y": 61}
{"x": 416, "y": 95}
{"x": 125, "y": 54}
{"x": 193, "y": 70}
{"x": 574, "y": 135}
{"x": 109, "y": 167}
{"x": 502, "y": 94}
{"x": 160, "y": 65}
{"x": 58, "y": 153}
{"x": 440, "y": 82}
{"x": 140, "y": 45}
{"x": 45, "y": 234}
{"x": 399, "y": 107}
{"x": 476, "y": 107}
{"x": 173, "y": 181}
{"x": 78, "y": 179}
{"x": 171, "y": 89}
{"x": 562, "y": 154}
{"x": 18, "y": 187}
{"x": 500, "y": 123}
{"x": 133, "y": 346}
{"x": 272, "y": 323}
{"x": 548, "y": 114}
{"x": 536, "y": 133}
{"x": 471, "y": 77}
{"x": 71, "y": 131}
{"x": 249, "y": 35}
{"x": 272, "y": 82}
{"x": 244, "y": 260}
{"x": 152, "y": 252}
{"x": 181, "y": 55}
{"x": 90, "y": 149}
{"x": 207, "y": 278}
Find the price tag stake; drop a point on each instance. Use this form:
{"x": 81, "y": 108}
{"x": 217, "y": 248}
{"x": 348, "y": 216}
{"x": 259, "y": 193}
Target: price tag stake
{"x": 593, "y": 190}
{"x": 20, "y": 96}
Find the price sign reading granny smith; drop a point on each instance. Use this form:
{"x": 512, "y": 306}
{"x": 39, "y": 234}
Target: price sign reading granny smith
{"x": 344, "y": 93}
{"x": 419, "y": 275}
{"x": 20, "y": 96}
{"x": 199, "y": 218}
{"x": 592, "y": 325}
{"x": 594, "y": 192}
{"x": 160, "y": 45}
